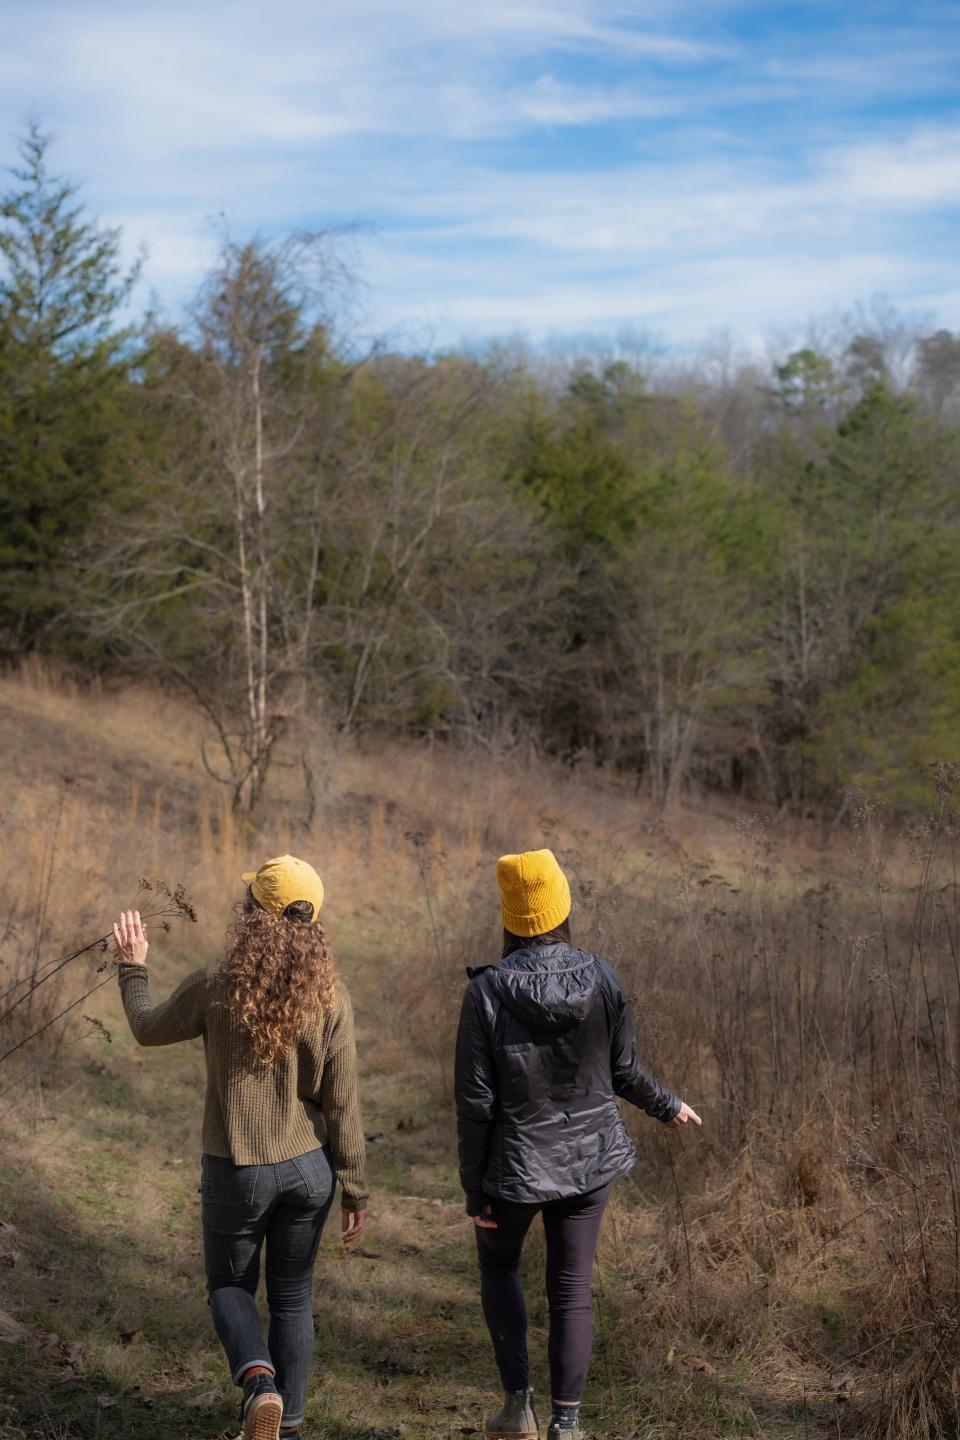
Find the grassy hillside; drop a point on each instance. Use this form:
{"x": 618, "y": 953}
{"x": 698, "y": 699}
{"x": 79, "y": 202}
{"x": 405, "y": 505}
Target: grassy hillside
{"x": 747, "y": 1284}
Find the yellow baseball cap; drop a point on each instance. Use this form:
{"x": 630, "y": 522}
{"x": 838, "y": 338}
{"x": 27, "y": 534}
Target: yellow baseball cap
{"x": 281, "y": 881}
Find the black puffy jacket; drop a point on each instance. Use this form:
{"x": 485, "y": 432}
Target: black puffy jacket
{"x": 546, "y": 1043}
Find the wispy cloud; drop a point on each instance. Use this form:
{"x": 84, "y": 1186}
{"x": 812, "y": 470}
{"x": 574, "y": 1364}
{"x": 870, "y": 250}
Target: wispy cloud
{"x": 535, "y": 164}
{"x": 921, "y": 169}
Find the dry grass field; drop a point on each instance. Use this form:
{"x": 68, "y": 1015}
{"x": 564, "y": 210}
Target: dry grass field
{"x": 793, "y": 1270}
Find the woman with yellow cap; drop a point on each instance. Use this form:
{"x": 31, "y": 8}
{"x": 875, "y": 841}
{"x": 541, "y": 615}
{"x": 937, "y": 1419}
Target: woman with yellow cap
{"x": 545, "y": 1045}
{"x": 281, "y": 1123}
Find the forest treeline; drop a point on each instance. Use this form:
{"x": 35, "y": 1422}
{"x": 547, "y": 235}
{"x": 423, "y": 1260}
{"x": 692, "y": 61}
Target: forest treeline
{"x": 742, "y": 577}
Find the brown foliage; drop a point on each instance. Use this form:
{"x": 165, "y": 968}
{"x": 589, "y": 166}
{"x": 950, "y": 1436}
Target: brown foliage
{"x": 813, "y": 1225}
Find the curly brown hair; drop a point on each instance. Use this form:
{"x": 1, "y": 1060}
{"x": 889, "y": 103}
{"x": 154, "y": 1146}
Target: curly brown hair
{"x": 281, "y": 976}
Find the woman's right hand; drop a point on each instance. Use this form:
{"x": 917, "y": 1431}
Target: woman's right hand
{"x": 686, "y": 1115}
{"x": 485, "y": 1220}
{"x": 130, "y": 938}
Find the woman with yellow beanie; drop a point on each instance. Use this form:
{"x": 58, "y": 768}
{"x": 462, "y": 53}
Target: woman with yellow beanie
{"x": 281, "y": 1123}
{"x": 545, "y": 1045}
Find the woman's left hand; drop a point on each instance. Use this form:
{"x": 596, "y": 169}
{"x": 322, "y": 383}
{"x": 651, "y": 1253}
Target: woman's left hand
{"x": 686, "y": 1115}
{"x": 485, "y": 1220}
{"x": 130, "y": 938}
{"x": 352, "y": 1224}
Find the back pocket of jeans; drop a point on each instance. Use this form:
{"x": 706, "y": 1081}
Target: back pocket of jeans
{"x": 226, "y": 1186}
{"x": 316, "y": 1173}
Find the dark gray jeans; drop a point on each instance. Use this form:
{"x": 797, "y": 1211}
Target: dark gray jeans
{"x": 286, "y": 1206}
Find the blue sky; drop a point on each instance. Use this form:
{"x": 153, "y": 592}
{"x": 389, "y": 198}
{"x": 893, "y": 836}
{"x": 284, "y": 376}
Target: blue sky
{"x": 521, "y": 166}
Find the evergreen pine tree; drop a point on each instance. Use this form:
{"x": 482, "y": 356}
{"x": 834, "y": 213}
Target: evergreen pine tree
{"x": 63, "y": 366}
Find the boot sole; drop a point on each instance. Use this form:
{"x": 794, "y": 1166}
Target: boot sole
{"x": 262, "y": 1420}
{"x": 512, "y": 1434}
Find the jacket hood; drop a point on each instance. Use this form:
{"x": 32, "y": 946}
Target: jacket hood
{"x": 549, "y": 988}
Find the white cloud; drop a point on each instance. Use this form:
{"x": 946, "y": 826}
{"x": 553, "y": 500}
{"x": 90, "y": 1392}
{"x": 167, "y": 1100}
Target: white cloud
{"x": 224, "y": 74}
{"x": 549, "y": 102}
{"x": 639, "y": 210}
{"x": 922, "y": 169}
{"x": 527, "y": 162}
{"x": 684, "y": 303}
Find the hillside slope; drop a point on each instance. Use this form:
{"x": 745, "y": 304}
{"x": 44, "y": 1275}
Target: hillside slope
{"x": 104, "y": 1319}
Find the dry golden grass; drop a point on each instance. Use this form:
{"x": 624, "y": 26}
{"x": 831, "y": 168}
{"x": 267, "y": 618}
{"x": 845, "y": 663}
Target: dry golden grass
{"x": 790, "y": 1271}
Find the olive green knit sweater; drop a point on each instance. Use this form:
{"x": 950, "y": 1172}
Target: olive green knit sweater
{"x": 262, "y": 1114}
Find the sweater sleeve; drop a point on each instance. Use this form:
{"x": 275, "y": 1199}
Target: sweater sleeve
{"x": 475, "y": 1082}
{"x": 180, "y": 1017}
{"x": 631, "y": 1079}
{"x": 340, "y": 1103}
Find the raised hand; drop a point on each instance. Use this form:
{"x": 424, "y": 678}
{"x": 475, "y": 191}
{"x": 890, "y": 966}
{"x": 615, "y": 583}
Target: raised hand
{"x": 130, "y": 938}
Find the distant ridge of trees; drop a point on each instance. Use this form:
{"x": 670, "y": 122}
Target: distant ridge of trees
{"x": 717, "y": 577}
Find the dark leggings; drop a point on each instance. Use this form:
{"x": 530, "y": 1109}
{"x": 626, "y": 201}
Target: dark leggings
{"x": 571, "y": 1228}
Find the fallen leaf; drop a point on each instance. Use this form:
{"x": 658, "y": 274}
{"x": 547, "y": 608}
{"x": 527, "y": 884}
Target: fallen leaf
{"x": 694, "y": 1362}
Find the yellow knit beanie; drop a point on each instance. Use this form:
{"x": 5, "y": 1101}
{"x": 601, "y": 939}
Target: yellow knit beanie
{"x": 534, "y": 894}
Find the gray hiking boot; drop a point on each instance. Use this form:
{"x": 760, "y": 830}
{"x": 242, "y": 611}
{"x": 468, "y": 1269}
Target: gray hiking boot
{"x": 556, "y": 1431}
{"x": 516, "y": 1420}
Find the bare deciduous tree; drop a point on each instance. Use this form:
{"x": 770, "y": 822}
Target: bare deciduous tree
{"x": 252, "y": 397}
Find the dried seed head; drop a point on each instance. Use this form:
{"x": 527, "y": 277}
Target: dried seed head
{"x": 100, "y": 1028}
